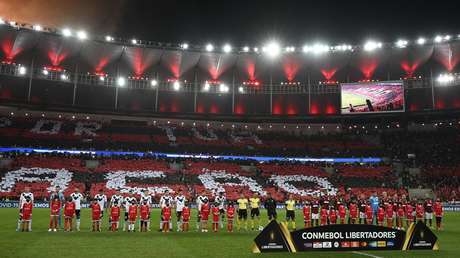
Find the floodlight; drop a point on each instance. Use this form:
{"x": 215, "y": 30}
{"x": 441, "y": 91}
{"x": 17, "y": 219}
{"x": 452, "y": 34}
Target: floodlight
{"x": 319, "y": 48}
{"x": 227, "y": 48}
{"x": 108, "y": 38}
{"x": 272, "y": 49}
{"x": 421, "y": 41}
{"x": 209, "y": 47}
{"x": 206, "y": 86}
{"x": 438, "y": 39}
{"x": 153, "y": 83}
{"x": 134, "y": 41}
{"x": 372, "y": 45}
{"x": 246, "y": 49}
{"x": 38, "y": 27}
{"x": 121, "y": 81}
{"x": 241, "y": 89}
{"x": 66, "y": 32}
{"x": 81, "y": 35}
{"x": 45, "y": 72}
{"x": 176, "y": 85}
{"x": 184, "y": 46}
{"x": 445, "y": 78}
{"x": 402, "y": 43}
{"x": 22, "y": 70}
{"x": 64, "y": 77}
{"x": 223, "y": 88}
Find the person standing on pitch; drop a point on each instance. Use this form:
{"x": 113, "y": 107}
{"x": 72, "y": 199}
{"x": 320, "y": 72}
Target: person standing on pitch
{"x": 27, "y": 194}
{"x": 242, "y": 211}
{"x": 115, "y": 201}
{"x": 221, "y": 200}
{"x": 165, "y": 200}
{"x": 179, "y": 200}
{"x": 270, "y": 206}
{"x": 375, "y": 204}
{"x": 290, "y": 211}
{"x": 60, "y": 196}
{"x": 199, "y": 201}
{"x": 147, "y": 198}
{"x": 254, "y": 202}
{"x": 76, "y": 199}
{"x": 101, "y": 199}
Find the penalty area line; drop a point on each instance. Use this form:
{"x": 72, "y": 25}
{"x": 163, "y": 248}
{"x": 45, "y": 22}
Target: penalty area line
{"x": 366, "y": 254}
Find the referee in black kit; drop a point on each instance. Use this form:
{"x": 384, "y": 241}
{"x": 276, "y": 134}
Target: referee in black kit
{"x": 270, "y": 205}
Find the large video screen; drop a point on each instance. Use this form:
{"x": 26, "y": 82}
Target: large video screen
{"x": 372, "y": 97}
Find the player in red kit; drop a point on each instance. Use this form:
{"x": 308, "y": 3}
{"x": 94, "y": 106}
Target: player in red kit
{"x": 400, "y": 215}
{"x": 215, "y": 216}
{"x": 166, "y": 212}
{"x": 26, "y": 215}
{"x": 55, "y": 207}
{"x": 115, "y": 212}
{"x": 132, "y": 217}
{"x": 380, "y": 215}
{"x": 323, "y": 217}
{"x": 419, "y": 211}
{"x": 230, "y": 216}
{"x": 315, "y": 213}
{"x": 333, "y": 216}
{"x": 389, "y": 214}
{"x": 204, "y": 214}
{"x": 353, "y": 208}
{"x": 69, "y": 213}
{"x": 96, "y": 215}
{"x": 428, "y": 206}
{"x": 409, "y": 210}
{"x": 438, "y": 212}
{"x": 342, "y": 212}
{"x": 185, "y": 217}
{"x": 144, "y": 211}
{"x": 369, "y": 214}
{"x": 307, "y": 214}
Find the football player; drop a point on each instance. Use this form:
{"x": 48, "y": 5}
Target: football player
{"x": 230, "y": 216}
{"x": 101, "y": 199}
{"x": 215, "y": 216}
{"x": 199, "y": 201}
{"x": 146, "y": 197}
{"x": 204, "y": 216}
{"x": 270, "y": 206}
{"x": 221, "y": 200}
{"x": 185, "y": 217}
{"x": 165, "y": 200}
{"x": 144, "y": 211}
{"x": 55, "y": 207}
{"x": 166, "y": 217}
{"x": 439, "y": 213}
{"x": 22, "y": 199}
{"x": 290, "y": 211}
{"x": 307, "y": 214}
{"x": 96, "y": 215}
{"x": 115, "y": 202}
{"x": 179, "y": 200}
{"x": 128, "y": 201}
{"x": 242, "y": 211}
{"x": 69, "y": 213}
{"x": 26, "y": 214}
{"x": 132, "y": 214}
{"x": 428, "y": 205}
{"x": 254, "y": 202}
{"x": 76, "y": 198}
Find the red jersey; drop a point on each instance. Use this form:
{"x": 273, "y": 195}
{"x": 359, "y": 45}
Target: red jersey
{"x": 419, "y": 211}
{"x": 185, "y": 214}
{"x": 323, "y": 216}
{"x": 400, "y": 212}
{"x": 230, "y": 213}
{"x": 204, "y": 211}
{"x": 389, "y": 210}
{"x": 353, "y": 211}
{"x": 380, "y": 214}
{"x": 144, "y": 211}
{"x": 369, "y": 212}
{"x": 306, "y": 212}
{"x": 215, "y": 214}
{"x": 333, "y": 216}
{"x": 115, "y": 213}
{"x": 95, "y": 211}
{"x": 342, "y": 211}
{"x": 438, "y": 212}
{"x": 27, "y": 210}
{"x": 166, "y": 211}
{"x": 55, "y": 207}
{"x": 409, "y": 211}
{"x": 315, "y": 207}
{"x": 132, "y": 212}
{"x": 69, "y": 209}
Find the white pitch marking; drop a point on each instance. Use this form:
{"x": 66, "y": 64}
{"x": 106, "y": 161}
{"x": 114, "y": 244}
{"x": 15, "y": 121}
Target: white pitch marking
{"x": 366, "y": 254}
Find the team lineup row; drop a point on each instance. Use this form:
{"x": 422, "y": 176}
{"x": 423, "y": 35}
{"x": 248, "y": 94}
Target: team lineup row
{"x": 390, "y": 212}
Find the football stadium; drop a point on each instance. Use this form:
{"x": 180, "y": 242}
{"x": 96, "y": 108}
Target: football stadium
{"x": 114, "y": 145}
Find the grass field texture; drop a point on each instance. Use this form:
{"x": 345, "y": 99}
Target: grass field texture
{"x": 41, "y": 243}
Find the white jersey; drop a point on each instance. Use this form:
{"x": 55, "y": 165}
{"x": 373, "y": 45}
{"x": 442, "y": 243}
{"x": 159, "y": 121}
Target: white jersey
{"x": 146, "y": 198}
{"x": 76, "y": 198}
{"x": 200, "y": 200}
{"x": 101, "y": 200}
{"x": 221, "y": 201}
{"x": 22, "y": 198}
{"x": 116, "y": 200}
{"x": 166, "y": 199}
{"x": 180, "y": 202}
{"x": 130, "y": 200}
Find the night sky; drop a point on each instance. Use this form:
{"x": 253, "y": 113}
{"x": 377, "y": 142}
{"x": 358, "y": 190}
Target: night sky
{"x": 244, "y": 22}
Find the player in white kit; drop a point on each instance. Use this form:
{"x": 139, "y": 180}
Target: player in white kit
{"x": 180, "y": 204}
{"x": 147, "y": 198}
{"x": 27, "y": 194}
{"x": 76, "y": 198}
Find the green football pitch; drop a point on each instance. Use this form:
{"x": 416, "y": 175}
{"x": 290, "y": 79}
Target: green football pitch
{"x": 41, "y": 243}
{"x": 353, "y": 99}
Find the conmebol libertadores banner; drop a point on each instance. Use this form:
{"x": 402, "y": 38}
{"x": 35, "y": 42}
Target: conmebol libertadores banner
{"x": 344, "y": 237}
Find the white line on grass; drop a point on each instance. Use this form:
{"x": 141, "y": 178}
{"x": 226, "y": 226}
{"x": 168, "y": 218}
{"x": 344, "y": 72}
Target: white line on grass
{"x": 366, "y": 254}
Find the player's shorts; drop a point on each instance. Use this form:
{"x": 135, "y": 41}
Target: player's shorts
{"x": 306, "y": 219}
{"x": 115, "y": 219}
{"x": 126, "y": 216}
{"x": 290, "y": 215}
{"x": 255, "y": 212}
{"x": 243, "y": 214}
{"x": 271, "y": 215}
{"x": 438, "y": 219}
{"x": 315, "y": 216}
{"x": 362, "y": 215}
{"x": 222, "y": 211}
{"x": 428, "y": 215}
{"x": 179, "y": 214}
{"x": 77, "y": 214}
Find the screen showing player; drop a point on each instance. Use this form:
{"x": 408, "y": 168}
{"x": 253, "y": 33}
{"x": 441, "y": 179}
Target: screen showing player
{"x": 372, "y": 97}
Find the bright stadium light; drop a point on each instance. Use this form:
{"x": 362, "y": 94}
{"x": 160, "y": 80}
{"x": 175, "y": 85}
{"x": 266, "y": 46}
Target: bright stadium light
{"x": 241, "y": 89}
{"x": 184, "y": 46}
{"x": 372, "y": 45}
{"x": 227, "y": 48}
{"x": 343, "y": 47}
{"x": 81, "y": 35}
{"x": 64, "y": 77}
{"x": 66, "y": 32}
{"x": 223, "y": 88}
{"x": 134, "y": 41}
{"x": 153, "y": 83}
{"x": 22, "y": 70}
{"x": 2, "y": 21}
{"x": 447, "y": 37}
{"x": 306, "y": 48}
{"x": 121, "y": 81}
{"x": 37, "y": 27}
{"x": 108, "y": 38}
{"x": 45, "y": 72}
{"x": 438, "y": 39}
{"x": 289, "y": 49}
{"x": 101, "y": 78}
{"x": 402, "y": 43}
{"x": 421, "y": 41}
{"x": 272, "y": 49}
{"x": 318, "y": 49}
{"x": 246, "y": 49}
{"x": 206, "y": 87}
{"x": 176, "y": 85}
{"x": 445, "y": 78}
{"x": 256, "y": 49}
{"x": 209, "y": 47}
